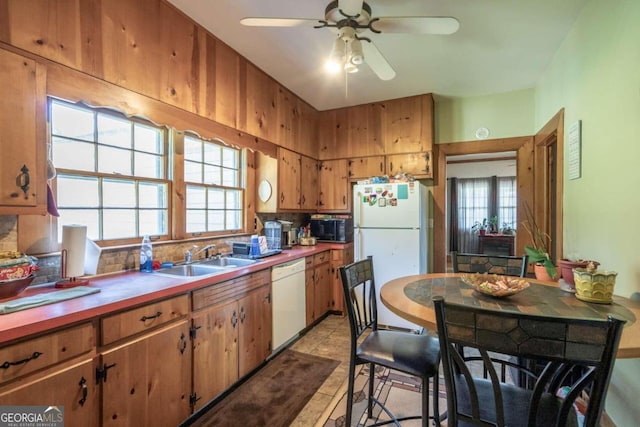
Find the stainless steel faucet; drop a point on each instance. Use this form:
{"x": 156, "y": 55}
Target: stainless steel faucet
{"x": 188, "y": 256}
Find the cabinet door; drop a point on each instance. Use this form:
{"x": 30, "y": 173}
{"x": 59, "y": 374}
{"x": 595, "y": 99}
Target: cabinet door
{"x": 339, "y": 257}
{"x": 323, "y": 289}
{"x": 309, "y": 294}
{"x": 215, "y": 345}
{"x": 308, "y": 183}
{"x": 73, "y": 387}
{"x": 22, "y": 135}
{"x": 416, "y": 164}
{"x": 254, "y": 335}
{"x": 288, "y": 179}
{"x": 365, "y": 167}
{"x": 148, "y": 380}
{"x": 334, "y": 186}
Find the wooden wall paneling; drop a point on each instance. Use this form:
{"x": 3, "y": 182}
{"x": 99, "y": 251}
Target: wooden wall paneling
{"x": 341, "y": 147}
{"x": 287, "y": 114}
{"x": 326, "y": 123}
{"x": 261, "y": 100}
{"x": 178, "y": 199}
{"x": 250, "y": 196}
{"x": 227, "y": 84}
{"x": 179, "y": 59}
{"x": 427, "y": 133}
{"x": 406, "y": 125}
{"x": 307, "y": 129}
{"x": 49, "y": 29}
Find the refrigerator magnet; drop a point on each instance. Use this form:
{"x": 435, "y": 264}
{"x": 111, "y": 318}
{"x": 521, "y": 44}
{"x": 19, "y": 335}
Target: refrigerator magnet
{"x": 382, "y": 202}
{"x": 393, "y": 202}
{"x": 403, "y": 191}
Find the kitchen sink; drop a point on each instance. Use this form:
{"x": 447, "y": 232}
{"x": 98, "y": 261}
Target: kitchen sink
{"x": 227, "y": 262}
{"x": 192, "y": 270}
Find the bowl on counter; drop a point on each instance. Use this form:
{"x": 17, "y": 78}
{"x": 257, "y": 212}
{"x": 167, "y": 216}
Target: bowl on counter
{"x": 495, "y": 285}
{"x": 14, "y": 287}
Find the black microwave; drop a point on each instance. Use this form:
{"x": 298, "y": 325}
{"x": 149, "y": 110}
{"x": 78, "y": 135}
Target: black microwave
{"x": 338, "y": 230}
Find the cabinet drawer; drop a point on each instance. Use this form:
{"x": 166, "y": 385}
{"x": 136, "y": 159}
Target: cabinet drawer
{"x": 143, "y": 318}
{"x": 308, "y": 262}
{"x": 320, "y": 258}
{"x": 28, "y": 356}
{"x": 230, "y": 289}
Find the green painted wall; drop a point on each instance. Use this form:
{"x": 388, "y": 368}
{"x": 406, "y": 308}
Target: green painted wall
{"x": 595, "y": 76}
{"x": 504, "y": 114}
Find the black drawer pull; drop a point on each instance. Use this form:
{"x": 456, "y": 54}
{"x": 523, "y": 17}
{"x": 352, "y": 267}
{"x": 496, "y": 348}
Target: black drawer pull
{"x": 7, "y": 364}
{"x": 145, "y": 318}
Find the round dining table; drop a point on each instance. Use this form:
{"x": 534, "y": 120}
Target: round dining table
{"x": 410, "y": 298}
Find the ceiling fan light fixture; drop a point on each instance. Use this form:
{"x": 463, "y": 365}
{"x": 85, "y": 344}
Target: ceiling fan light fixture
{"x": 350, "y": 67}
{"x": 357, "y": 56}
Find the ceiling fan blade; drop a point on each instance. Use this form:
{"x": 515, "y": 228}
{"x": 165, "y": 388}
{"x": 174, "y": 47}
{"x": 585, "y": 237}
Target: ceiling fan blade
{"x": 350, "y": 7}
{"x": 377, "y": 62}
{"x": 278, "y": 22}
{"x": 417, "y": 24}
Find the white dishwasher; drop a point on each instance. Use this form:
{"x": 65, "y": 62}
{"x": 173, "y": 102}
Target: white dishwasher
{"x": 288, "y": 301}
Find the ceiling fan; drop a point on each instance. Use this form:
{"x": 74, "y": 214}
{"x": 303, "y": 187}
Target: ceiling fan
{"x": 350, "y": 19}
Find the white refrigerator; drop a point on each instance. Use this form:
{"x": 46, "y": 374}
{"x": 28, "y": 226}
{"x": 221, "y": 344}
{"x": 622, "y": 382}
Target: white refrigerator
{"x": 390, "y": 223}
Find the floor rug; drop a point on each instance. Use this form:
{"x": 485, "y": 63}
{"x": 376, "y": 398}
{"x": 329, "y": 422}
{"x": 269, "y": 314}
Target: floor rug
{"x": 399, "y": 392}
{"x": 274, "y": 395}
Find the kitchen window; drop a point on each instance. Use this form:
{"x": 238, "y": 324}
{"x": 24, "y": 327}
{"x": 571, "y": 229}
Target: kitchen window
{"x": 112, "y": 173}
{"x": 214, "y": 195}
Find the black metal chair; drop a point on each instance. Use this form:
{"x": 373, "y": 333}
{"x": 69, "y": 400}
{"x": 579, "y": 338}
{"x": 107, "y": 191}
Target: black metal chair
{"x": 563, "y": 346}
{"x": 495, "y": 264}
{"x": 414, "y": 354}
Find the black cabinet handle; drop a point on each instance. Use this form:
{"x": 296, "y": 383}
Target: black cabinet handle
{"x": 145, "y": 318}
{"x": 83, "y": 386}
{"x": 234, "y": 319}
{"x": 24, "y": 180}
{"x": 183, "y": 343}
{"x": 7, "y": 364}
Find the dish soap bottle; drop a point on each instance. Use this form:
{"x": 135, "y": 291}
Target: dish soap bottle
{"x": 146, "y": 255}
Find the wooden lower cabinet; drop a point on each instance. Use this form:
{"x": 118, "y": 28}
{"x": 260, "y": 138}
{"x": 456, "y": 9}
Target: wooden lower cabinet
{"x": 230, "y": 340}
{"x": 339, "y": 257}
{"x": 318, "y": 291}
{"x": 73, "y": 387}
{"x": 147, "y": 380}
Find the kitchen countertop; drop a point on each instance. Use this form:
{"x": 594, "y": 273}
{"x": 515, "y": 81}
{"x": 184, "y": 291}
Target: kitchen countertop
{"x": 125, "y": 290}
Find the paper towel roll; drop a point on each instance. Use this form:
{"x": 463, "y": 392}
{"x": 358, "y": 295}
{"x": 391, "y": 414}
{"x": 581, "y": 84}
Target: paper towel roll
{"x": 74, "y": 241}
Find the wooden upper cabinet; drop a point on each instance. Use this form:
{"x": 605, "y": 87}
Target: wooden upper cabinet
{"x": 22, "y": 135}
{"x": 261, "y": 103}
{"x": 407, "y": 124}
{"x": 308, "y": 183}
{"x": 333, "y": 182}
{"x": 366, "y": 167}
{"x": 350, "y": 132}
{"x": 288, "y": 179}
{"x": 306, "y": 132}
{"x": 419, "y": 165}
{"x": 223, "y": 74}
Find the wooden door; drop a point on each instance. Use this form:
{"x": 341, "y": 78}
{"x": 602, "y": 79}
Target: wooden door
{"x": 148, "y": 382}
{"x": 308, "y": 183}
{"x": 334, "y": 186}
{"x": 288, "y": 179}
{"x": 215, "y": 345}
{"x": 22, "y": 135}
{"x": 74, "y": 388}
{"x": 254, "y": 335}
{"x": 417, "y": 165}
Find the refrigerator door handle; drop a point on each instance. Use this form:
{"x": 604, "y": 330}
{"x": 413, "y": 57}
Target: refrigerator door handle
{"x": 358, "y": 245}
{"x": 357, "y": 209}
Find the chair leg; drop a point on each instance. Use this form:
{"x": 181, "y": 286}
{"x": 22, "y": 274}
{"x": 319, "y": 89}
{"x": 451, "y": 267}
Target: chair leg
{"x": 425, "y": 401}
{"x": 372, "y": 375}
{"x": 352, "y": 373}
{"x": 436, "y": 399}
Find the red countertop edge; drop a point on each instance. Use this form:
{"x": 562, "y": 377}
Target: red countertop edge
{"x": 125, "y": 290}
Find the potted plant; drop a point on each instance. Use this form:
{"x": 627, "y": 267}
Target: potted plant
{"x": 567, "y": 265}
{"x": 493, "y": 224}
{"x": 538, "y": 252}
{"x": 480, "y": 227}
{"x": 507, "y": 229}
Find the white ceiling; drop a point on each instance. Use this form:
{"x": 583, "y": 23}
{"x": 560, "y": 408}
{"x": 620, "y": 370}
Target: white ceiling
{"x": 501, "y": 46}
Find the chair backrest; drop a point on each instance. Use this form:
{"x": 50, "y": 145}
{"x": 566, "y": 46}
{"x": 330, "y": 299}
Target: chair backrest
{"x": 495, "y": 264}
{"x": 359, "y": 290}
{"x": 562, "y": 346}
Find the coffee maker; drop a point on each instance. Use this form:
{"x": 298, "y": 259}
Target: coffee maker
{"x": 289, "y": 235}
{"x": 280, "y": 234}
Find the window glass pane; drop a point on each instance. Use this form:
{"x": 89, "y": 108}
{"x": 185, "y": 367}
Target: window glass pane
{"x": 216, "y": 199}
{"x": 119, "y": 223}
{"x": 77, "y": 191}
{"x": 212, "y": 175}
{"x": 152, "y": 222}
{"x": 196, "y": 221}
{"x": 233, "y": 199}
{"x": 196, "y": 197}
{"x": 229, "y": 178}
{"x": 193, "y": 172}
{"x": 114, "y": 131}
{"x": 148, "y": 165}
{"x": 230, "y": 158}
{"x": 71, "y": 121}
{"x": 192, "y": 149}
{"x": 233, "y": 220}
{"x": 88, "y": 217}
{"x": 114, "y": 161}
{"x": 118, "y": 194}
{"x": 212, "y": 153}
{"x": 152, "y": 195}
{"x": 216, "y": 221}
{"x": 147, "y": 138}
{"x": 71, "y": 154}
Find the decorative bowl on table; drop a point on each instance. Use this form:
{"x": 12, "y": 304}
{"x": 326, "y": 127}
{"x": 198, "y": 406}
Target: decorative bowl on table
{"x": 594, "y": 285}
{"x": 13, "y": 287}
{"x": 495, "y": 285}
